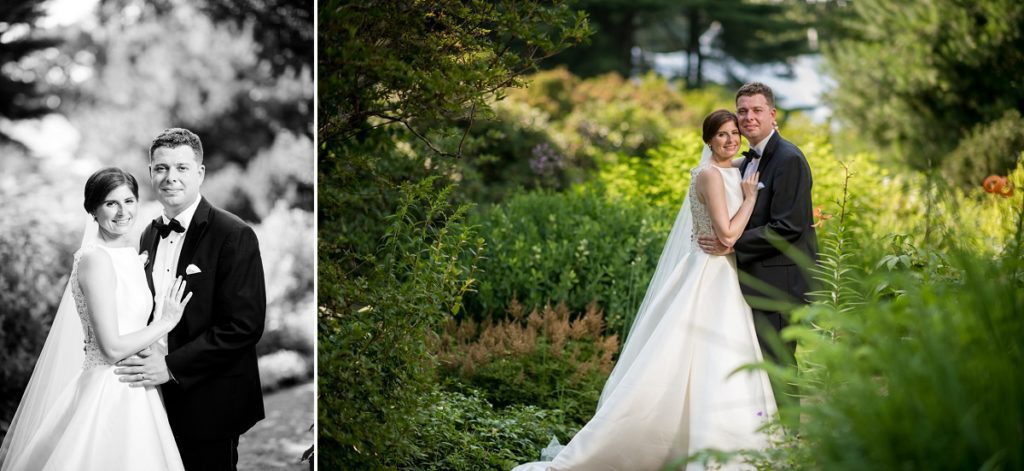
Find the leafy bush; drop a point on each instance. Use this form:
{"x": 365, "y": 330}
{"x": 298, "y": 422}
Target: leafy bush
{"x": 35, "y": 262}
{"x": 286, "y": 246}
{"x": 374, "y": 362}
{"x": 994, "y": 147}
{"x": 461, "y": 431}
{"x": 914, "y": 364}
{"x": 576, "y": 247}
{"x": 543, "y": 358}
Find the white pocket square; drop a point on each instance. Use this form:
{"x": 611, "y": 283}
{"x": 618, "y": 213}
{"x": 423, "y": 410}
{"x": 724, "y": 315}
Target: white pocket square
{"x": 192, "y": 270}
{"x": 760, "y": 185}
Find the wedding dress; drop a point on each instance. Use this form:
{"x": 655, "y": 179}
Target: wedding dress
{"x": 96, "y": 422}
{"x": 674, "y": 389}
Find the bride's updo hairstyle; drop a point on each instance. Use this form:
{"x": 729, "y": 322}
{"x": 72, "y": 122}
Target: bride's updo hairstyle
{"x": 714, "y": 121}
{"x": 101, "y": 183}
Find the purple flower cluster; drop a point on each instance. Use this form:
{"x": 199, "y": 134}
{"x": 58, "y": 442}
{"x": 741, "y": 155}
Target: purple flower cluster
{"x": 545, "y": 160}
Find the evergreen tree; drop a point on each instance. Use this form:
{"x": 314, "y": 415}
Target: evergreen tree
{"x": 20, "y": 93}
{"x": 938, "y": 83}
{"x": 744, "y": 31}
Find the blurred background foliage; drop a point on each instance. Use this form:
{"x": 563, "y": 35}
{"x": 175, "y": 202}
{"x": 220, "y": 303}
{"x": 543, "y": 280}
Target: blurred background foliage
{"x": 476, "y": 202}
{"x": 80, "y": 93}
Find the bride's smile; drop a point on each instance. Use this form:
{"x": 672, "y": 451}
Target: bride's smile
{"x": 117, "y": 213}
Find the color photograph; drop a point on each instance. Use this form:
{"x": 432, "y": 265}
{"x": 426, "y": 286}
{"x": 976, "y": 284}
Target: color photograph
{"x": 661, "y": 235}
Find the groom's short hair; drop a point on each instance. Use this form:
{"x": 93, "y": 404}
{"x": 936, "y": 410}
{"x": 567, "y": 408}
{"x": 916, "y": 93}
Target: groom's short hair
{"x": 757, "y": 88}
{"x": 175, "y": 137}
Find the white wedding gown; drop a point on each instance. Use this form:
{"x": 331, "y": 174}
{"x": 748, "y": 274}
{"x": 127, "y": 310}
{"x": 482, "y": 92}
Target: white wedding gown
{"x": 673, "y": 390}
{"x": 99, "y": 423}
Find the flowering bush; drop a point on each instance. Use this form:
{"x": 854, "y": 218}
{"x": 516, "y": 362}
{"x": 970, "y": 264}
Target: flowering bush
{"x": 545, "y": 358}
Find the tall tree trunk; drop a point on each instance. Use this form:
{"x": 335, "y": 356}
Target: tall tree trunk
{"x": 693, "y": 58}
{"x": 627, "y": 31}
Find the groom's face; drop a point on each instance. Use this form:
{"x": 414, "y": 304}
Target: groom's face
{"x": 756, "y": 117}
{"x": 176, "y": 176}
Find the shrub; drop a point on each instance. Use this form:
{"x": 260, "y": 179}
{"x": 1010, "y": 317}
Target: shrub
{"x": 923, "y": 373}
{"x": 460, "y": 430}
{"x": 575, "y": 247}
{"x": 544, "y": 358}
{"x": 35, "y": 262}
{"x": 374, "y": 364}
{"x": 286, "y": 245}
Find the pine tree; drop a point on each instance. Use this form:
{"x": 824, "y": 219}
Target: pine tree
{"x": 20, "y": 91}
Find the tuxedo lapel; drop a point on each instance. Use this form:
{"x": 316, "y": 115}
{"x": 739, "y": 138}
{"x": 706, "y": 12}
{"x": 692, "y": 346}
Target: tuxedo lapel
{"x": 196, "y": 229}
{"x": 769, "y": 151}
{"x": 149, "y": 244}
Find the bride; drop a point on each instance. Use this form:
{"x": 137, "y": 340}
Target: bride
{"x": 75, "y": 413}
{"x": 675, "y": 389}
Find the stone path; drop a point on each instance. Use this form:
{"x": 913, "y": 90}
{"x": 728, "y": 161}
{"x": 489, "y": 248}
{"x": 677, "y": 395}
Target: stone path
{"x": 278, "y": 441}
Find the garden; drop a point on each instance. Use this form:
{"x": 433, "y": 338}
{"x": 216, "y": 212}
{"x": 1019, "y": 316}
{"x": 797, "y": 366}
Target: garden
{"x": 487, "y": 235}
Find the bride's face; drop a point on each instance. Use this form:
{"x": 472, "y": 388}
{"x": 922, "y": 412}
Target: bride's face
{"x": 726, "y": 141}
{"x": 116, "y": 214}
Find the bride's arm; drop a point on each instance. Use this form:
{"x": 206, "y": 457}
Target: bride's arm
{"x": 95, "y": 271}
{"x": 711, "y": 187}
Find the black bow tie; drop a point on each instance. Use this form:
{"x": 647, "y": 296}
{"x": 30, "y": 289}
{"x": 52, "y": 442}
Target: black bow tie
{"x": 165, "y": 229}
{"x": 751, "y": 154}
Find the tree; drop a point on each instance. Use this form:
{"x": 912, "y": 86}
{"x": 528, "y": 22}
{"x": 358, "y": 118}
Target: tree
{"x": 20, "y": 93}
{"x": 400, "y": 85}
{"x": 744, "y": 31}
{"x": 937, "y": 83}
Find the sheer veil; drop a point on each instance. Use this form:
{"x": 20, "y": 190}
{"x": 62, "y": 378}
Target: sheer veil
{"x": 58, "y": 365}
{"x": 654, "y": 307}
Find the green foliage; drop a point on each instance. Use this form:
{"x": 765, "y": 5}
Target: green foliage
{"x": 374, "y": 361}
{"x": 920, "y": 77}
{"x": 751, "y": 33}
{"x": 660, "y": 179}
{"x": 398, "y": 62}
{"x": 555, "y": 132}
{"x": 543, "y": 358}
{"x": 576, "y": 247}
{"x": 995, "y": 148}
{"x": 934, "y": 379}
{"x": 456, "y": 431}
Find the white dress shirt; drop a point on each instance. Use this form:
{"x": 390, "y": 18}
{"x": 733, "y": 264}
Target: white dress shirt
{"x": 168, "y": 251}
{"x": 759, "y": 149}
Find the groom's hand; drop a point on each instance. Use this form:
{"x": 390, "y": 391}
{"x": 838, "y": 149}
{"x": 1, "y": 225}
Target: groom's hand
{"x": 713, "y": 246}
{"x": 146, "y": 368}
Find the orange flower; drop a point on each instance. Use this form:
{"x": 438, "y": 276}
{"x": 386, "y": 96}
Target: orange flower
{"x": 821, "y": 217}
{"x": 994, "y": 183}
{"x": 998, "y": 185}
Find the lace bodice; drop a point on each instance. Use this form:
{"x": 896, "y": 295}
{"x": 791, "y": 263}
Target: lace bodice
{"x": 733, "y": 195}
{"x": 131, "y": 294}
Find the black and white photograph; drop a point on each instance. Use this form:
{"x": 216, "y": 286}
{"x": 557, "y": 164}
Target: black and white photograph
{"x": 158, "y": 241}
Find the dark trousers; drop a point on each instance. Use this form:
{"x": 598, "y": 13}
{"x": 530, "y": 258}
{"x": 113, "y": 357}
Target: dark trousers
{"x": 209, "y": 455}
{"x": 768, "y": 325}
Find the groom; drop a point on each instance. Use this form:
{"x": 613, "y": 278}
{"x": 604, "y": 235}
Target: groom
{"x": 782, "y": 217}
{"x": 209, "y": 376}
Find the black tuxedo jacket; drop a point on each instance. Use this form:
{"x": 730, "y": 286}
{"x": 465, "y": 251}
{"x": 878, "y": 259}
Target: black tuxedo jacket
{"x": 783, "y": 208}
{"x": 216, "y": 393}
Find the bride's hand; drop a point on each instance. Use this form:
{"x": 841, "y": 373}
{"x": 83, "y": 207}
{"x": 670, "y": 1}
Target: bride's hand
{"x": 175, "y": 302}
{"x": 749, "y": 186}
